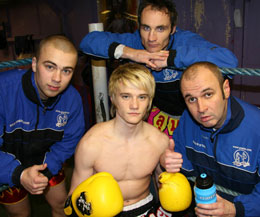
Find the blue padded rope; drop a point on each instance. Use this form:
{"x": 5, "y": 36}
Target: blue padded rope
{"x": 15, "y": 63}
{"x": 233, "y": 71}
{"x": 241, "y": 71}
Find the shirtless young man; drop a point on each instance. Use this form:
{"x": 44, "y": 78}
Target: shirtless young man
{"x": 126, "y": 146}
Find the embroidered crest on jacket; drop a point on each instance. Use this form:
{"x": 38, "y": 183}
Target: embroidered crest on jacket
{"x": 241, "y": 157}
{"x": 62, "y": 119}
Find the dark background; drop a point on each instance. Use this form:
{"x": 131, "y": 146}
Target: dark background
{"x": 212, "y": 19}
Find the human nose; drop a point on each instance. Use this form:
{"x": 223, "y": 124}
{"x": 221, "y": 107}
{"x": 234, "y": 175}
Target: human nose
{"x": 134, "y": 103}
{"x": 202, "y": 107}
{"x": 56, "y": 76}
{"x": 152, "y": 36}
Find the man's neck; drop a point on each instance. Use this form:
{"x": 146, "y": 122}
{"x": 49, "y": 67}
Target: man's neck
{"x": 127, "y": 129}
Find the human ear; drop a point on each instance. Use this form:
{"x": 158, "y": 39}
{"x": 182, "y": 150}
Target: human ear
{"x": 112, "y": 99}
{"x": 226, "y": 89}
{"x": 34, "y": 63}
{"x": 173, "y": 30}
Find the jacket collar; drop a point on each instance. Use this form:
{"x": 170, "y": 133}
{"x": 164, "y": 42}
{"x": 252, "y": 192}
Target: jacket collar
{"x": 31, "y": 92}
{"x": 235, "y": 115}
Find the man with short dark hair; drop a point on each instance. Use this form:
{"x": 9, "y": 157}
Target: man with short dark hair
{"x": 161, "y": 46}
{"x": 41, "y": 122}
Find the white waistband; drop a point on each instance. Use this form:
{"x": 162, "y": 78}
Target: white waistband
{"x": 139, "y": 203}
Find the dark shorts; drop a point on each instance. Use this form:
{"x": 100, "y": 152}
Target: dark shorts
{"x": 145, "y": 207}
{"x": 148, "y": 207}
{"x": 14, "y": 195}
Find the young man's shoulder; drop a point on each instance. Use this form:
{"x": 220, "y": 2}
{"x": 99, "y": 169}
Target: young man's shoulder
{"x": 92, "y": 139}
{"x": 13, "y": 76}
{"x": 98, "y": 130}
{"x": 72, "y": 92}
{"x": 156, "y": 135}
{"x": 153, "y": 130}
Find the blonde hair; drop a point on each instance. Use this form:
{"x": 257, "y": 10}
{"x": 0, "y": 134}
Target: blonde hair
{"x": 135, "y": 74}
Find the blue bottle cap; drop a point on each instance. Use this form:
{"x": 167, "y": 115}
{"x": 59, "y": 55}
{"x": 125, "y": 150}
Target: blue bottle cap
{"x": 203, "y": 175}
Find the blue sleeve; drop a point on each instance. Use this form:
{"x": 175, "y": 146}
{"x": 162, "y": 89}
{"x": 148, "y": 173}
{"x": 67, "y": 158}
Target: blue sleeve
{"x": 191, "y": 48}
{"x": 179, "y": 139}
{"x": 7, "y": 167}
{"x": 8, "y": 161}
{"x": 249, "y": 204}
{"x": 98, "y": 43}
{"x": 74, "y": 130}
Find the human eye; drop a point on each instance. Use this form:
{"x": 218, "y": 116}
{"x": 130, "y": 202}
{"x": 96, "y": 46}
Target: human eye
{"x": 191, "y": 99}
{"x": 67, "y": 71}
{"x": 125, "y": 96}
{"x": 160, "y": 28}
{"x": 49, "y": 67}
{"x": 143, "y": 97}
{"x": 146, "y": 28}
{"x": 208, "y": 95}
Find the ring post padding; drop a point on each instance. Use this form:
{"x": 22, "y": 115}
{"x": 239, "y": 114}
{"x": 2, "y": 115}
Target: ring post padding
{"x": 99, "y": 75}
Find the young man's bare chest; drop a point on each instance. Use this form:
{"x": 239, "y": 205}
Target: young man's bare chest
{"x": 127, "y": 161}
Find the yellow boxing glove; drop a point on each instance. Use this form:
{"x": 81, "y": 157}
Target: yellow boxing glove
{"x": 175, "y": 192}
{"x": 68, "y": 208}
{"x": 97, "y": 196}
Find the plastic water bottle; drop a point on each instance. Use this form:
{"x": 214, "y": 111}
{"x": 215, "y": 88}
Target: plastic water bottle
{"x": 205, "y": 189}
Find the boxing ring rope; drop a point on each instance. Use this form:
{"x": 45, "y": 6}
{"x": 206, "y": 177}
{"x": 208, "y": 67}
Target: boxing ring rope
{"x": 15, "y": 63}
{"x": 233, "y": 71}
{"x": 241, "y": 71}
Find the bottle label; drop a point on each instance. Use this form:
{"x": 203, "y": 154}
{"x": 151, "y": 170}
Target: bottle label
{"x": 210, "y": 197}
{"x": 205, "y": 196}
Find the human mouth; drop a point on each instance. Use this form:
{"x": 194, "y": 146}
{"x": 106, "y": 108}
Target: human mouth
{"x": 134, "y": 114}
{"x": 153, "y": 45}
{"x": 205, "y": 118}
{"x": 54, "y": 88}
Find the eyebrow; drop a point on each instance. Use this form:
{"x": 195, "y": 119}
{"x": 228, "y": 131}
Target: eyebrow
{"x": 131, "y": 93}
{"x": 145, "y": 25}
{"x": 163, "y": 26}
{"x": 48, "y": 61}
{"x": 65, "y": 67}
{"x": 203, "y": 91}
{"x": 68, "y": 67}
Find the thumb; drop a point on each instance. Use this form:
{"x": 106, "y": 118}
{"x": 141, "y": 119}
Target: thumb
{"x": 41, "y": 167}
{"x": 171, "y": 145}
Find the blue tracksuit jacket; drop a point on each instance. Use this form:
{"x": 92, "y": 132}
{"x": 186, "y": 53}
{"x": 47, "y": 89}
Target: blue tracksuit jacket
{"x": 32, "y": 132}
{"x": 231, "y": 154}
{"x": 185, "y": 48}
